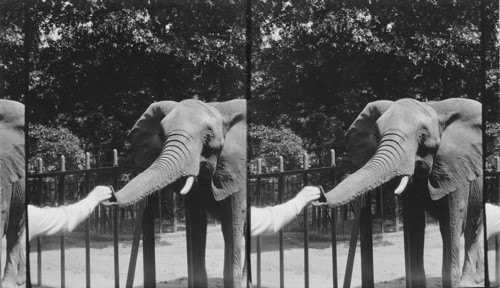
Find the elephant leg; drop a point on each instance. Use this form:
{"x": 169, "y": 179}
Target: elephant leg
{"x": 451, "y": 224}
{"x": 196, "y": 233}
{"x": 232, "y": 228}
{"x": 15, "y": 267}
{"x": 473, "y": 270}
{"x": 414, "y": 235}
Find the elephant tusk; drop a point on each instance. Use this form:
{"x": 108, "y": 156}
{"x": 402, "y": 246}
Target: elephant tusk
{"x": 188, "y": 185}
{"x": 402, "y": 185}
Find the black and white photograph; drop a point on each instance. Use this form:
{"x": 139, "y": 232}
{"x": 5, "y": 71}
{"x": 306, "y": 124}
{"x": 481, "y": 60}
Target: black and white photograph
{"x": 137, "y": 141}
{"x": 377, "y": 102}
{"x": 266, "y": 144}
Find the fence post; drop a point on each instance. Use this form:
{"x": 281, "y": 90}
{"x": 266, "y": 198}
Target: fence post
{"x": 174, "y": 210}
{"x": 259, "y": 198}
{"x": 115, "y": 223}
{"x": 281, "y": 239}
{"x": 87, "y": 225}
{"x": 334, "y": 227}
{"x": 306, "y": 226}
{"x": 63, "y": 244}
{"x": 497, "y": 240}
{"x": 39, "y": 239}
{"x": 366, "y": 241}
{"x": 382, "y": 222}
{"x": 497, "y": 196}
{"x": 396, "y": 208}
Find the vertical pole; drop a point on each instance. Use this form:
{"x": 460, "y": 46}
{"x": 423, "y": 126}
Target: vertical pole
{"x": 115, "y": 223}
{"x": 148, "y": 243}
{"x": 39, "y": 239}
{"x": 334, "y": 227}
{"x": 281, "y": 239}
{"x": 87, "y": 224}
{"x": 497, "y": 240}
{"x": 159, "y": 211}
{"x": 366, "y": 240}
{"x": 63, "y": 244}
{"x": 382, "y": 224}
{"x": 259, "y": 279}
{"x": 174, "y": 210}
{"x": 306, "y": 226}
{"x": 396, "y": 208}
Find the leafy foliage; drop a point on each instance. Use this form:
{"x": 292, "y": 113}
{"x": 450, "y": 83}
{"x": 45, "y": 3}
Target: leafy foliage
{"x": 328, "y": 59}
{"x": 269, "y": 143}
{"x": 49, "y": 144}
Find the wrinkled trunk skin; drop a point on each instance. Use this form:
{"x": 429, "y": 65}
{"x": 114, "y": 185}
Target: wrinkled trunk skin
{"x": 390, "y": 160}
{"x": 178, "y": 158}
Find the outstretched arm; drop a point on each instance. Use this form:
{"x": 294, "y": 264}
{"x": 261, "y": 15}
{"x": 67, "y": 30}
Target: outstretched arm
{"x": 53, "y": 220}
{"x": 269, "y": 220}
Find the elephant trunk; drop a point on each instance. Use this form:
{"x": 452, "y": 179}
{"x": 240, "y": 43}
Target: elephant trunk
{"x": 390, "y": 160}
{"x": 178, "y": 158}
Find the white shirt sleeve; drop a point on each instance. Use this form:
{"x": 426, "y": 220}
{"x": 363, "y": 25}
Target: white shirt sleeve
{"x": 54, "y": 220}
{"x": 492, "y": 220}
{"x": 269, "y": 220}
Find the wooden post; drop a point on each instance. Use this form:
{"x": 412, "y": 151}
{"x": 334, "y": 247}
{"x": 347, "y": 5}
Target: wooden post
{"x": 39, "y": 239}
{"x": 174, "y": 210}
{"x": 396, "y": 211}
{"x": 306, "y": 226}
{"x": 63, "y": 244}
{"x": 382, "y": 224}
{"x": 334, "y": 228}
{"x": 281, "y": 239}
{"x": 115, "y": 224}
{"x": 259, "y": 199}
{"x": 497, "y": 240}
{"x": 87, "y": 225}
{"x": 365, "y": 233}
{"x": 148, "y": 243}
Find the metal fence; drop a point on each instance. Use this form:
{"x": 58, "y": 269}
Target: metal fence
{"x": 66, "y": 187}
{"x": 492, "y": 192}
{"x": 276, "y": 188}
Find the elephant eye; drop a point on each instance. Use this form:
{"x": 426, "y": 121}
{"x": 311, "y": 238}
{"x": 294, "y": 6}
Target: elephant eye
{"x": 209, "y": 135}
{"x": 423, "y": 136}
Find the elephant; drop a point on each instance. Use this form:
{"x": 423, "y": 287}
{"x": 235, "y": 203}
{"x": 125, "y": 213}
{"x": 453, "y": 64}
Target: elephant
{"x": 434, "y": 151}
{"x": 12, "y": 190}
{"x": 199, "y": 148}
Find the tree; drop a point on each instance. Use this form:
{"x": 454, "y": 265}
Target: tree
{"x": 50, "y": 144}
{"x": 269, "y": 143}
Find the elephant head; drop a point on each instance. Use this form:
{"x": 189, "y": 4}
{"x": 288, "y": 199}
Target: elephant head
{"x": 189, "y": 139}
{"x": 438, "y": 141}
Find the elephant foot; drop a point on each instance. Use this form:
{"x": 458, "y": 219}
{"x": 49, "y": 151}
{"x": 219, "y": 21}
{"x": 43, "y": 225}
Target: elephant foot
{"x": 469, "y": 283}
{"x": 21, "y": 281}
{"x": 9, "y": 282}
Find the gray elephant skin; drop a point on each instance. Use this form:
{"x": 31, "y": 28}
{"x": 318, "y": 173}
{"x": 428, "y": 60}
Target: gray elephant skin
{"x": 12, "y": 185}
{"x": 435, "y": 150}
{"x": 202, "y": 148}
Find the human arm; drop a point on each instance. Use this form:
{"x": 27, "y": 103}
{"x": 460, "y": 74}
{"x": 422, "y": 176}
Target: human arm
{"x": 53, "y": 220}
{"x": 269, "y": 220}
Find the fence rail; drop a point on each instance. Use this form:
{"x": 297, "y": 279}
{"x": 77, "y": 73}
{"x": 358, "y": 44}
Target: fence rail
{"x": 65, "y": 187}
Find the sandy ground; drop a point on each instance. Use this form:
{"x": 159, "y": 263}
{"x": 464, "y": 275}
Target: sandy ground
{"x": 171, "y": 267}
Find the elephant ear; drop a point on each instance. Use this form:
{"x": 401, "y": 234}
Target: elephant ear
{"x": 459, "y": 158}
{"x": 145, "y": 135}
{"x": 12, "y": 157}
{"x": 361, "y": 141}
{"x": 230, "y": 174}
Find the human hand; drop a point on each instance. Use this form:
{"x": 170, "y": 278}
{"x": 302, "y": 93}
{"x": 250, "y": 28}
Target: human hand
{"x": 308, "y": 194}
{"x": 100, "y": 194}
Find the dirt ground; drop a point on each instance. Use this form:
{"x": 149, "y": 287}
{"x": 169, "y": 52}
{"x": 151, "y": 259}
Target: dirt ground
{"x": 171, "y": 267}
